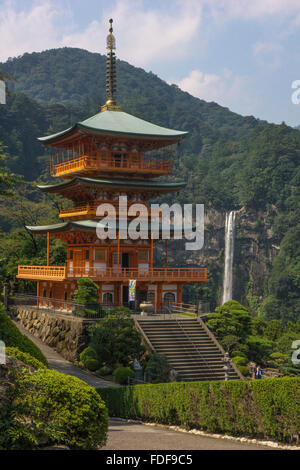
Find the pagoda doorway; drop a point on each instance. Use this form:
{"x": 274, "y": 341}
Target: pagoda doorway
{"x": 125, "y": 257}
{"x": 125, "y": 295}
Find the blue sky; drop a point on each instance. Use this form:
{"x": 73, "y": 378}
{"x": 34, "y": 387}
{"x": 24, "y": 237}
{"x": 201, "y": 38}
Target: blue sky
{"x": 242, "y": 54}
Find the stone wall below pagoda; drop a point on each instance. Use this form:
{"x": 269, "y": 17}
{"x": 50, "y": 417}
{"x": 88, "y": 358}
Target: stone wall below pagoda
{"x": 67, "y": 335}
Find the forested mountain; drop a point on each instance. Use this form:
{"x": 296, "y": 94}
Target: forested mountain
{"x": 229, "y": 161}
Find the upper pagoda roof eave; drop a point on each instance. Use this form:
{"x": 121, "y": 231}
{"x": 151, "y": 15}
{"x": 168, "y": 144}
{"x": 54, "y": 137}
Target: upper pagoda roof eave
{"x": 117, "y": 123}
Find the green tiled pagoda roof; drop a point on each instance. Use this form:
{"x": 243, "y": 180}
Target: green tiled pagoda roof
{"x": 118, "y": 123}
{"x": 138, "y": 184}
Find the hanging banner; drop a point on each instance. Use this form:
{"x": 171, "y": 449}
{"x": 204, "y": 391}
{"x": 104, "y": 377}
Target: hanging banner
{"x": 132, "y": 289}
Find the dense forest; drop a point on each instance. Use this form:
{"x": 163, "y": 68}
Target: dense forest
{"x": 229, "y": 162}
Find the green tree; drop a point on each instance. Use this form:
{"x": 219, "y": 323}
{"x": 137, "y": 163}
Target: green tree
{"x": 116, "y": 340}
{"x": 87, "y": 295}
{"x": 230, "y": 319}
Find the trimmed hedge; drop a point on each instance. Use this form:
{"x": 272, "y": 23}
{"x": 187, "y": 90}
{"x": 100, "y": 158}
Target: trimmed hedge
{"x": 267, "y": 408}
{"x": 45, "y": 407}
{"x": 25, "y": 358}
{"x": 12, "y": 337}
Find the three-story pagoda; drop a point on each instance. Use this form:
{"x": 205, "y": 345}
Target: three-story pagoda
{"x": 109, "y": 155}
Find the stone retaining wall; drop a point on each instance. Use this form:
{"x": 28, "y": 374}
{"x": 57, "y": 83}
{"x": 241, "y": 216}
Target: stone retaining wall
{"x": 66, "y": 334}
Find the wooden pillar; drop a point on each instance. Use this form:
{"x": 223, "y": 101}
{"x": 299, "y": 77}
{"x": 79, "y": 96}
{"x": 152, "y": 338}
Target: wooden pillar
{"x": 166, "y": 254}
{"x": 48, "y": 248}
{"x": 121, "y": 294}
{"x": 179, "y": 294}
{"x": 37, "y": 292}
{"x": 118, "y": 251}
{"x": 151, "y": 253}
{"x": 159, "y": 297}
{"x": 100, "y": 293}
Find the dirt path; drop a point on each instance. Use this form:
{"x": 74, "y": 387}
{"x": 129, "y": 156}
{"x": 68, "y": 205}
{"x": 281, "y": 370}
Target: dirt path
{"x": 58, "y": 363}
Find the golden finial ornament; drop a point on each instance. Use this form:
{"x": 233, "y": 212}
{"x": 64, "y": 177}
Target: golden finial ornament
{"x": 111, "y": 86}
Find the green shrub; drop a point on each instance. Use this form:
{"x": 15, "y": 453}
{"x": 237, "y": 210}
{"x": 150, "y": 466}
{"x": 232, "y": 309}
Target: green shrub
{"x": 120, "y": 311}
{"x": 105, "y": 371}
{"x": 238, "y": 353}
{"x": 158, "y": 368}
{"x": 25, "y": 358}
{"x": 12, "y": 337}
{"x": 122, "y": 374}
{"x": 278, "y": 359}
{"x": 243, "y": 370}
{"x": 87, "y": 295}
{"x": 240, "y": 361}
{"x": 259, "y": 348}
{"x": 267, "y": 408}
{"x": 88, "y": 353}
{"x": 116, "y": 340}
{"x": 52, "y": 408}
{"x": 92, "y": 364}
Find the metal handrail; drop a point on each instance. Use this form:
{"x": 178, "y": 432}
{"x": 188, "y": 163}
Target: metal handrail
{"x": 195, "y": 347}
{"x": 57, "y": 305}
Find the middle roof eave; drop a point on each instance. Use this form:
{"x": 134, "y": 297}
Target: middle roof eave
{"x": 129, "y": 183}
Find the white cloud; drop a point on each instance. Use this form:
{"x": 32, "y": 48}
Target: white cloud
{"x": 27, "y": 31}
{"x": 225, "y": 89}
{"x": 268, "y": 54}
{"x": 143, "y": 35}
{"x": 254, "y": 9}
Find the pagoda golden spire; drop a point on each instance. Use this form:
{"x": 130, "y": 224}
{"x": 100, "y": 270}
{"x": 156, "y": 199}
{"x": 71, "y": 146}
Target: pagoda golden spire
{"x": 111, "y": 86}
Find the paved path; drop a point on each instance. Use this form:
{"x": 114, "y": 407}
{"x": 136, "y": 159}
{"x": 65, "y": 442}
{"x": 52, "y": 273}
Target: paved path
{"x": 57, "y": 362}
{"x": 133, "y": 436}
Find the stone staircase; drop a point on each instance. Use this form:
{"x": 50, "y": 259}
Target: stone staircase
{"x": 189, "y": 346}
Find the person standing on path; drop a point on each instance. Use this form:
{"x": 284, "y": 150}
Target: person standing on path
{"x": 258, "y": 372}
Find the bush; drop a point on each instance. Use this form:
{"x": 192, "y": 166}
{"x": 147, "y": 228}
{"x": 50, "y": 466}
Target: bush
{"x": 244, "y": 370}
{"x": 12, "y": 337}
{"x": 278, "y": 359}
{"x": 240, "y": 361}
{"x": 25, "y": 358}
{"x": 88, "y": 353}
{"x": 105, "y": 371}
{"x": 231, "y": 318}
{"x": 122, "y": 374}
{"x": 259, "y": 348}
{"x": 116, "y": 340}
{"x": 267, "y": 408}
{"x": 120, "y": 311}
{"x": 238, "y": 353}
{"x": 92, "y": 364}
{"x": 87, "y": 295}
{"x": 158, "y": 368}
{"x": 52, "y": 408}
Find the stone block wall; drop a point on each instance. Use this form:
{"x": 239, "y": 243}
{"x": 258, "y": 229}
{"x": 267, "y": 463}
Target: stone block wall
{"x": 66, "y": 334}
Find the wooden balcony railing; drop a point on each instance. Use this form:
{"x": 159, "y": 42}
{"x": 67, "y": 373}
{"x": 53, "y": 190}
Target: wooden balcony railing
{"x": 130, "y": 164}
{"x": 59, "y": 273}
{"x": 185, "y": 275}
{"x": 90, "y": 210}
{"x": 42, "y": 273}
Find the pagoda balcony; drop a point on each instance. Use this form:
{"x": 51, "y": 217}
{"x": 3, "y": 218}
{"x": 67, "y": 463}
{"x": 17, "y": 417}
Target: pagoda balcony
{"x": 133, "y": 164}
{"x": 60, "y": 273}
{"x": 90, "y": 210}
{"x": 42, "y": 273}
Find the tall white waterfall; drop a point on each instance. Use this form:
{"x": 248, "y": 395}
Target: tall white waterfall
{"x": 229, "y": 252}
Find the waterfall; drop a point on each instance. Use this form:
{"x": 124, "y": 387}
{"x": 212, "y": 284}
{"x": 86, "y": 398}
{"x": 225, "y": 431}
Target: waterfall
{"x": 229, "y": 252}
